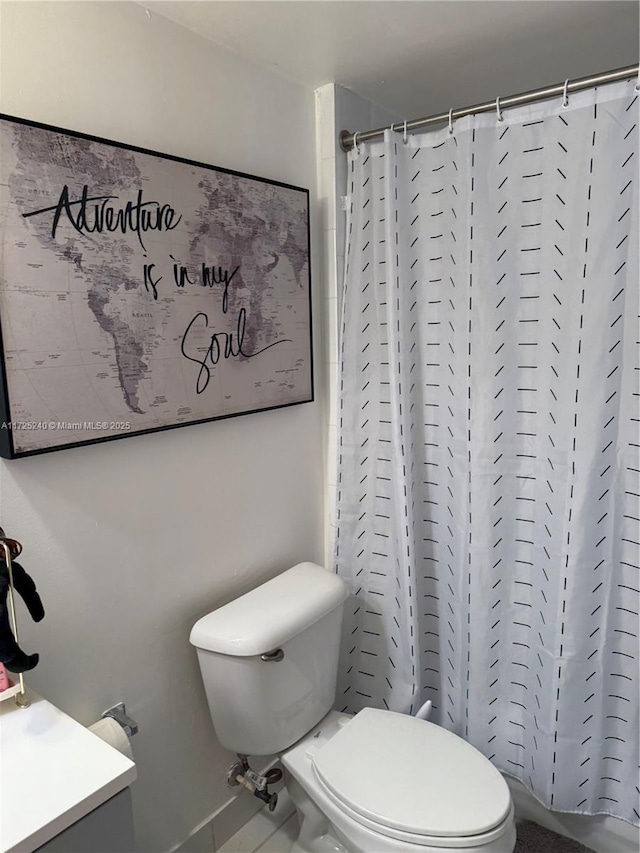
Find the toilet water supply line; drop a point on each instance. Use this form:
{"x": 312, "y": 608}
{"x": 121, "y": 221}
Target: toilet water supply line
{"x": 241, "y": 774}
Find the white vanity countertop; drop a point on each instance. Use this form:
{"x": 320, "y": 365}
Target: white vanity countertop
{"x": 53, "y": 771}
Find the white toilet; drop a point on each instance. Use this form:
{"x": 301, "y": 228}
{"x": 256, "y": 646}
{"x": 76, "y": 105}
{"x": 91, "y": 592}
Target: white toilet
{"x": 376, "y": 782}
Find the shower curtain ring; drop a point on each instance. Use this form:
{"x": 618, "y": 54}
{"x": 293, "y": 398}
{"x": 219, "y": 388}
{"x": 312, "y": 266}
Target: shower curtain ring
{"x": 637, "y": 86}
{"x": 404, "y": 134}
{"x": 451, "y": 121}
{"x": 498, "y": 111}
{"x": 565, "y": 96}
{"x": 355, "y": 141}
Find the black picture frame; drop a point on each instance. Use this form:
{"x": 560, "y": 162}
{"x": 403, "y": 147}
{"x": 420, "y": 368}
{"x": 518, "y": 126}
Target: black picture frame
{"x": 90, "y": 233}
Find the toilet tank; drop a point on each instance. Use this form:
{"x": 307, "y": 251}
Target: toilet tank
{"x": 269, "y": 659}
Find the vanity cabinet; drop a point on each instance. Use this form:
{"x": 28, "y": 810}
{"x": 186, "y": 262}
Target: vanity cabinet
{"x": 64, "y": 790}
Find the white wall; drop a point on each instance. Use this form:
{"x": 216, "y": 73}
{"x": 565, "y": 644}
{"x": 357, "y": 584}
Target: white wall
{"x": 131, "y": 541}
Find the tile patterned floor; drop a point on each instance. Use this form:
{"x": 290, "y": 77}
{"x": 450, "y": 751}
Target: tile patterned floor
{"x": 282, "y": 839}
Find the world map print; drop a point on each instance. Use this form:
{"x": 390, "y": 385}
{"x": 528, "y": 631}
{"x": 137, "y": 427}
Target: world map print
{"x": 140, "y": 291}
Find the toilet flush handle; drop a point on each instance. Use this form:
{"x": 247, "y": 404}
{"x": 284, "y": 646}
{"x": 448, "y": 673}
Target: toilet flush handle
{"x": 275, "y": 656}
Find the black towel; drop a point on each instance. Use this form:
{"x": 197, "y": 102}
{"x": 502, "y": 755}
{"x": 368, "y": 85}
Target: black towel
{"x": 11, "y": 655}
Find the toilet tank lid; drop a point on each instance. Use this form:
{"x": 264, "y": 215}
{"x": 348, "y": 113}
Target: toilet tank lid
{"x": 271, "y": 614}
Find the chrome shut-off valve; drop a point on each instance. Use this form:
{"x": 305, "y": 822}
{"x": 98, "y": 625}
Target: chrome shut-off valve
{"x": 241, "y": 774}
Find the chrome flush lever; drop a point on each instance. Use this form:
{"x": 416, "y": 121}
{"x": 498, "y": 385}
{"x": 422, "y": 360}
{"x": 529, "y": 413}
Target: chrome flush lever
{"x": 275, "y": 656}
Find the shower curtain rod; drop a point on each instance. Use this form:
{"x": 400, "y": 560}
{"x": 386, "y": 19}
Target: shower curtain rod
{"x": 347, "y": 138}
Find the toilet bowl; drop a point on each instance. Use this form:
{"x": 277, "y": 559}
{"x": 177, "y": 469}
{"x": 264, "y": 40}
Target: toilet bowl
{"x": 376, "y": 782}
{"x": 361, "y": 784}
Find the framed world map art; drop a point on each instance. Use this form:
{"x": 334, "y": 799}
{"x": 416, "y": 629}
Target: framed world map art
{"x": 141, "y": 291}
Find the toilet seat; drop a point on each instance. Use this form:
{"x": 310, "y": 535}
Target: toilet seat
{"x": 419, "y": 842}
{"x": 412, "y": 780}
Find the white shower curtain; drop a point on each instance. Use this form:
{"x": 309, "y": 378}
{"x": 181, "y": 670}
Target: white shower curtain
{"x": 488, "y": 497}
